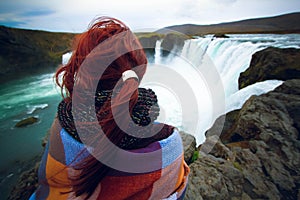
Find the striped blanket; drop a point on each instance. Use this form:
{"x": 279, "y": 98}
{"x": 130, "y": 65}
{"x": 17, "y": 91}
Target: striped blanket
{"x": 168, "y": 182}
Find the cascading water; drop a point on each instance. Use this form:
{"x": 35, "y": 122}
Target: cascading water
{"x": 229, "y": 56}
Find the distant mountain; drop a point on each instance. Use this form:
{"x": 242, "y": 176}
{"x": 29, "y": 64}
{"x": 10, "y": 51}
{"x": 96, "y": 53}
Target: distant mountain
{"x": 288, "y": 23}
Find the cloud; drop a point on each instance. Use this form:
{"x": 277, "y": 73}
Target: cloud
{"x": 75, "y": 15}
{"x": 34, "y": 13}
{"x": 12, "y": 23}
{"x": 225, "y": 1}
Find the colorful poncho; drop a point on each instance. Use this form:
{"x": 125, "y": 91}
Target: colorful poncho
{"x": 169, "y": 182}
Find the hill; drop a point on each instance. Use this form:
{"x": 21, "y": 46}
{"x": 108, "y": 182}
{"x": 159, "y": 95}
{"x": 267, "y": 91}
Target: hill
{"x": 288, "y": 23}
{"x": 29, "y": 51}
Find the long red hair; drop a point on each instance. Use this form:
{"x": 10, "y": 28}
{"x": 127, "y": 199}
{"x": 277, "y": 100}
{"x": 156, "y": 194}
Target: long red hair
{"x": 91, "y": 170}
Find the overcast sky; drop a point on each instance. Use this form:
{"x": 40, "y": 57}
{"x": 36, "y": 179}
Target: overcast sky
{"x": 75, "y": 15}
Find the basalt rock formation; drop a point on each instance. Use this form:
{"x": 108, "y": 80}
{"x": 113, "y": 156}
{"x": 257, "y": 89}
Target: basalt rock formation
{"x": 257, "y": 154}
{"x": 272, "y": 63}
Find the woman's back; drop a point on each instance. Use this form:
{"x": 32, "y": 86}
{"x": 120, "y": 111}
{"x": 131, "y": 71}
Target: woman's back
{"x": 104, "y": 142}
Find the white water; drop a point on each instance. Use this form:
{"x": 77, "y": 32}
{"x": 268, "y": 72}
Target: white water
{"x": 196, "y": 64}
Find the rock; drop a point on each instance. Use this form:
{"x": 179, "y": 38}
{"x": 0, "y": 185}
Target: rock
{"x": 189, "y": 146}
{"x": 257, "y": 154}
{"x": 173, "y": 43}
{"x": 27, "y": 184}
{"x": 272, "y": 63}
{"x": 224, "y": 123}
{"x": 214, "y": 178}
{"x": 220, "y": 35}
{"x": 26, "y": 122}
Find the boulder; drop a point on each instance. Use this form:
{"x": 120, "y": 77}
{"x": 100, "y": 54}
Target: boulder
{"x": 272, "y": 63}
{"x": 26, "y": 122}
{"x": 189, "y": 146}
{"x": 220, "y": 35}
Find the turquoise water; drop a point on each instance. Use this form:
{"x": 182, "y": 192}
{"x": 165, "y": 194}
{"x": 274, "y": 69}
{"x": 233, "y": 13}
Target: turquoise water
{"x": 31, "y": 96}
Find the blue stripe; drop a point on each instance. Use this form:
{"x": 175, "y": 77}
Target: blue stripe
{"x": 43, "y": 189}
{"x": 171, "y": 148}
{"x": 32, "y": 197}
{"x": 74, "y": 150}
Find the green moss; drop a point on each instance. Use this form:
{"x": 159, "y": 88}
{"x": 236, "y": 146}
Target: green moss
{"x": 195, "y": 156}
{"x": 237, "y": 166}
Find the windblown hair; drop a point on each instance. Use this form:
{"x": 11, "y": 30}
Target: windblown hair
{"x": 102, "y": 31}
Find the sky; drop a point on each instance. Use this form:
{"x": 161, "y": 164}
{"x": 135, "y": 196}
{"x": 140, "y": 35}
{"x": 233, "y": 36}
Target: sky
{"x": 139, "y": 15}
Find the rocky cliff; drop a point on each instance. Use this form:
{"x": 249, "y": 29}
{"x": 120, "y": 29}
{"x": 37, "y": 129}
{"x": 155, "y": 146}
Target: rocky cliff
{"x": 257, "y": 156}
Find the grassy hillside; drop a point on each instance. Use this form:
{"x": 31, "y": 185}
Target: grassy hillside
{"x": 288, "y": 23}
{"x": 29, "y": 51}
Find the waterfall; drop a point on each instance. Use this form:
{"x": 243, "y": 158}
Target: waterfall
{"x": 157, "y": 54}
{"x": 206, "y": 62}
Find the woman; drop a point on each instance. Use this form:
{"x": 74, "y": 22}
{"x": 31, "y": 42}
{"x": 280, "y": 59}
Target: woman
{"x": 104, "y": 143}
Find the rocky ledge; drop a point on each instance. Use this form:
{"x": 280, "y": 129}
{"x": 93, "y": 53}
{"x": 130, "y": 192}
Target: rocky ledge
{"x": 257, "y": 154}
{"x": 272, "y": 63}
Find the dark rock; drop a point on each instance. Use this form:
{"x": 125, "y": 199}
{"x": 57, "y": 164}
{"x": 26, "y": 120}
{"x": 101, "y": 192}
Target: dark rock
{"x": 262, "y": 162}
{"x": 27, "y": 184}
{"x": 220, "y": 35}
{"x": 189, "y": 146}
{"x": 26, "y": 122}
{"x": 173, "y": 43}
{"x": 272, "y": 63}
{"x": 224, "y": 123}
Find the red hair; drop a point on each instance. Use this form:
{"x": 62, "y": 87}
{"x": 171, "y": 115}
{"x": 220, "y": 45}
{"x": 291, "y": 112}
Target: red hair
{"x": 91, "y": 170}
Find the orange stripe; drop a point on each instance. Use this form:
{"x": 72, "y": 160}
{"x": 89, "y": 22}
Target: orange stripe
{"x": 130, "y": 187}
{"x": 180, "y": 173}
{"x": 57, "y": 176}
